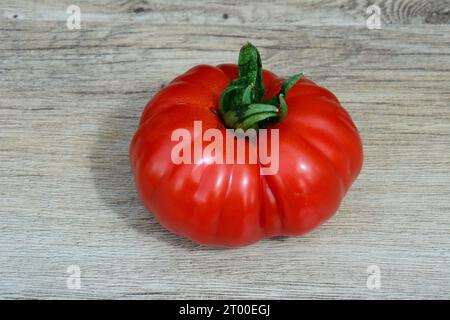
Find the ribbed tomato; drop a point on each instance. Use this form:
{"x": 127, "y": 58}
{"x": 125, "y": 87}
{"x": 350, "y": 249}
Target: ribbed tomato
{"x": 233, "y": 204}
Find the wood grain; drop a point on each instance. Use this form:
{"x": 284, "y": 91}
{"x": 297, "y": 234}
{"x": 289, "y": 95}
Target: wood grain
{"x": 70, "y": 101}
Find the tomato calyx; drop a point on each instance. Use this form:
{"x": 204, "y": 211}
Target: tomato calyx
{"x": 242, "y": 104}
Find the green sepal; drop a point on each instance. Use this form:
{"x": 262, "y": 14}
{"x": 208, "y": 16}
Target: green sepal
{"x": 241, "y": 103}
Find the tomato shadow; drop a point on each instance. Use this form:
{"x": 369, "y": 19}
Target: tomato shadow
{"x": 113, "y": 176}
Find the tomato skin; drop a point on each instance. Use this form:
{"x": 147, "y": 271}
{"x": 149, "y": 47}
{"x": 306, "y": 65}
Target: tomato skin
{"x": 231, "y": 205}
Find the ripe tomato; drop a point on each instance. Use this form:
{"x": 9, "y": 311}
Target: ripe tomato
{"x": 233, "y": 204}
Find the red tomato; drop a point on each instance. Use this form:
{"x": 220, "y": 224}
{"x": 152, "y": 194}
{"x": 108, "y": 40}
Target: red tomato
{"x": 320, "y": 155}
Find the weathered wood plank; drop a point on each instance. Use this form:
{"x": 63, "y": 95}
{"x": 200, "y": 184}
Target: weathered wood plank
{"x": 265, "y": 14}
{"x": 70, "y": 101}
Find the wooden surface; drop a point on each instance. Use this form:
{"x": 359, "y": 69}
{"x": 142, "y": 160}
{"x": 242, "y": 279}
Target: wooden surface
{"x": 70, "y": 101}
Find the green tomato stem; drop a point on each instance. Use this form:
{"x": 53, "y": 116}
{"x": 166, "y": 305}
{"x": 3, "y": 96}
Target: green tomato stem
{"x": 241, "y": 103}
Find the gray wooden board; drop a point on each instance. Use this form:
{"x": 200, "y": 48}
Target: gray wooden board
{"x": 70, "y": 101}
